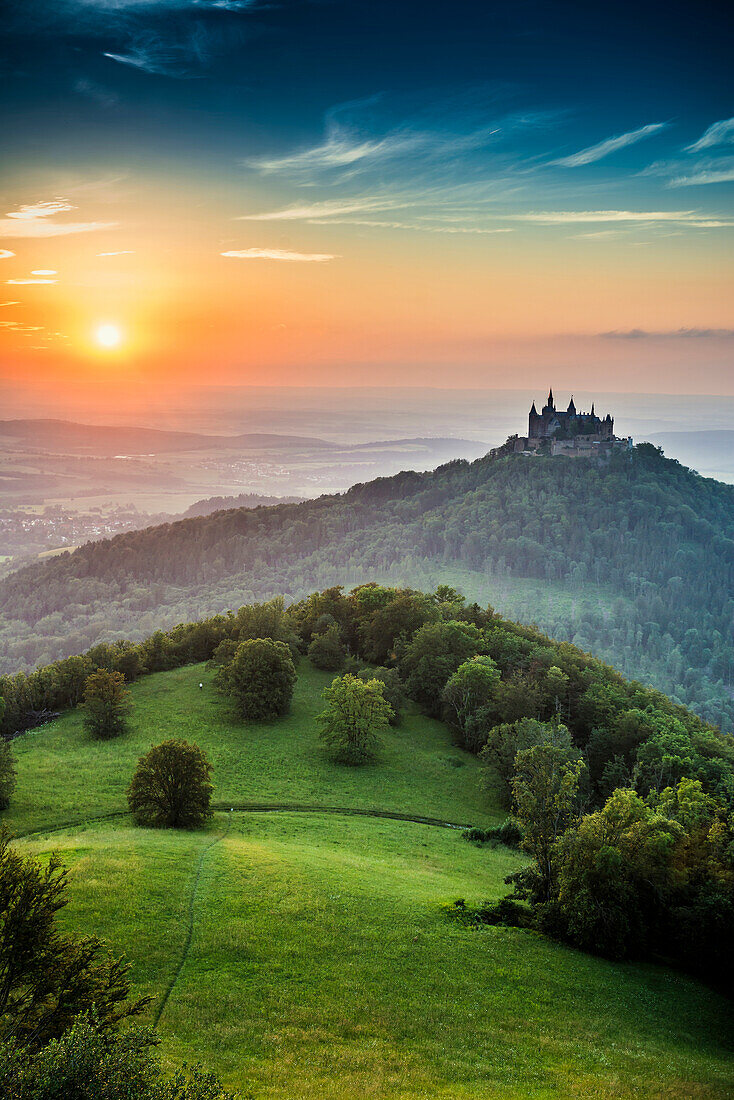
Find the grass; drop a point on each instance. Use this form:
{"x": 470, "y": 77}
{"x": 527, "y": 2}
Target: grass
{"x": 63, "y": 776}
{"x": 319, "y": 961}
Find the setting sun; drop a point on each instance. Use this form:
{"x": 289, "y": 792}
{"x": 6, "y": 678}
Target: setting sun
{"x": 108, "y": 336}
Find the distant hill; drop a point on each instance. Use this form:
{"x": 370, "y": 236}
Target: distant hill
{"x": 711, "y": 453}
{"x": 66, "y": 437}
{"x": 633, "y": 561}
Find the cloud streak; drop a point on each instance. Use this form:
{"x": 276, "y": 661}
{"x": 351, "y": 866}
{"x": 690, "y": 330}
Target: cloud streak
{"x": 42, "y": 228}
{"x": 41, "y": 210}
{"x": 610, "y": 145}
{"x": 690, "y": 218}
{"x": 278, "y": 254}
{"x": 719, "y": 133}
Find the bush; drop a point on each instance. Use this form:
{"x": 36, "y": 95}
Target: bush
{"x": 356, "y": 713}
{"x": 506, "y": 911}
{"x": 89, "y": 1063}
{"x": 107, "y": 704}
{"x": 46, "y": 977}
{"x": 171, "y": 787}
{"x": 508, "y": 833}
{"x": 326, "y": 650}
{"x": 260, "y": 678}
{"x": 7, "y": 774}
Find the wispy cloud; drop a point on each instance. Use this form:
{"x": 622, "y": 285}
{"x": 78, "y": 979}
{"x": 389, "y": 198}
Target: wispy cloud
{"x": 326, "y": 209}
{"x": 3, "y": 304}
{"x": 38, "y": 227}
{"x": 31, "y": 282}
{"x": 417, "y": 226}
{"x": 160, "y": 56}
{"x": 610, "y": 145}
{"x": 119, "y": 252}
{"x": 679, "y": 333}
{"x": 44, "y": 271}
{"x": 690, "y": 218}
{"x": 5, "y": 253}
{"x": 703, "y": 175}
{"x": 279, "y": 254}
{"x": 719, "y": 133}
{"x": 41, "y": 209}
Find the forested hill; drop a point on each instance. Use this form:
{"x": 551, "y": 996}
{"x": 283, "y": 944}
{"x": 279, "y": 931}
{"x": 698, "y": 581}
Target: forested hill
{"x": 640, "y": 554}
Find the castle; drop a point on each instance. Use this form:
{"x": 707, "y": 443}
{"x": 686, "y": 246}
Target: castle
{"x": 570, "y": 433}
{"x": 552, "y": 423}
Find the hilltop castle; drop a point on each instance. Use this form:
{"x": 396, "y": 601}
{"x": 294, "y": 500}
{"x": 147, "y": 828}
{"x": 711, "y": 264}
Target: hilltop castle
{"x": 552, "y": 423}
{"x": 570, "y": 432}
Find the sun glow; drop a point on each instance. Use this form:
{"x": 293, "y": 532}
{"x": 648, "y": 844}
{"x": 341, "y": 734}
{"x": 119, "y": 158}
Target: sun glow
{"x": 108, "y": 336}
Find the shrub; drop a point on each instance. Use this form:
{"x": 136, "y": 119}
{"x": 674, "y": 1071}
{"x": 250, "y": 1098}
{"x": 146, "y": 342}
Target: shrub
{"x": 356, "y": 713}
{"x": 107, "y": 704}
{"x": 260, "y": 678}
{"x": 90, "y": 1063}
{"x": 171, "y": 787}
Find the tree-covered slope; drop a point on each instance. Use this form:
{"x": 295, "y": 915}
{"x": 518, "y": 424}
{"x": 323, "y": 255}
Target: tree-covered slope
{"x": 644, "y": 546}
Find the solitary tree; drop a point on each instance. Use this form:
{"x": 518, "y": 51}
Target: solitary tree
{"x": 355, "y": 715}
{"x": 7, "y": 774}
{"x": 260, "y": 677}
{"x": 48, "y": 978}
{"x": 107, "y": 704}
{"x": 171, "y": 787}
{"x": 470, "y": 688}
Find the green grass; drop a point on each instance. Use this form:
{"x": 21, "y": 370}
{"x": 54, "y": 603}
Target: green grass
{"x": 62, "y": 775}
{"x": 321, "y": 964}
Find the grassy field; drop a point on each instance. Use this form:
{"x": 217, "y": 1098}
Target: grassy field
{"x": 320, "y": 962}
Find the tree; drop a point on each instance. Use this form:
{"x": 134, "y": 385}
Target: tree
{"x": 505, "y": 741}
{"x": 7, "y": 774}
{"x": 326, "y": 650}
{"x": 545, "y": 789}
{"x": 89, "y": 1062}
{"x": 107, "y": 704}
{"x": 470, "y": 688}
{"x": 434, "y": 653}
{"x": 171, "y": 787}
{"x": 47, "y": 978}
{"x": 392, "y": 689}
{"x": 355, "y": 715}
{"x": 260, "y": 677}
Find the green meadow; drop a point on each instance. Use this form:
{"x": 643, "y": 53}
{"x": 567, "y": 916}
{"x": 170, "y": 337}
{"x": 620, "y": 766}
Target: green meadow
{"x": 304, "y": 954}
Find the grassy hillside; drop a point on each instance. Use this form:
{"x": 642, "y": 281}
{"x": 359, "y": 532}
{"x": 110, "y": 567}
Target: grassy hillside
{"x": 320, "y": 963}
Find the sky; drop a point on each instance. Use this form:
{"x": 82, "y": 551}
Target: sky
{"x": 368, "y": 192}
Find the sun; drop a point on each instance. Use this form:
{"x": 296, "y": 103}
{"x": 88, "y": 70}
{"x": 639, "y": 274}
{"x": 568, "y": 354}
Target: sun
{"x": 108, "y": 335}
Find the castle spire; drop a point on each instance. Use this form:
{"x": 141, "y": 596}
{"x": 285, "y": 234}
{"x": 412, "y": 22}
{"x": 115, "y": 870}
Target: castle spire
{"x": 571, "y": 407}
{"x": 550, "y": 398}
{"x": 533, "y": 411}
{"x": 592, "y": 409}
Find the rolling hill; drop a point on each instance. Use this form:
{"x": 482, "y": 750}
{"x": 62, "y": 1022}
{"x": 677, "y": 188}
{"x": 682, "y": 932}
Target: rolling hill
{"x": 633, "y": 561}
{"x": 304, "y": 953}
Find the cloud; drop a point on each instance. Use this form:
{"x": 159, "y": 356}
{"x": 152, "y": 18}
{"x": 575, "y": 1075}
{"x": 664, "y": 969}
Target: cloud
{"x": 31, "y": 282}
{"x": 103, "y": 97}
{"x": 44, "y": 271}
{"x": 42, "y": 209}
{"x": 5, "y": 253}
{"x": 680, "y": 333}
{"x": 419, "y": 226}
{"x": 161, "y": 56}
{"x": 38, "y": 227}
{"x": 703, "y": 176}
{"x": 327, "y": 209}
{"x": 2, "y": 304}
{"x": 119, "y": 252}
{"x": 279, "y": 254}
{"x": 610, "y": 145}
{"x": 719, "y": 133}
{"x": 572, "y": 217}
